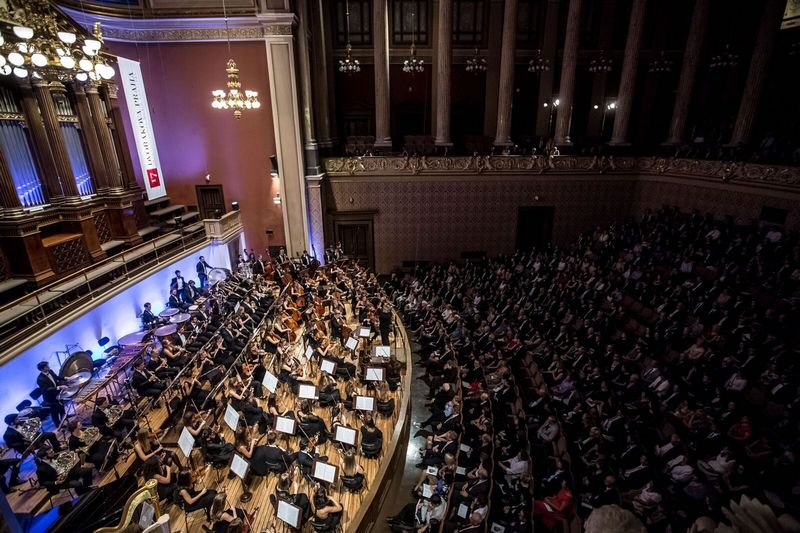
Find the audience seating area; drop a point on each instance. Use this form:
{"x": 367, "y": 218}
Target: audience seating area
{"x": 651, "y": 365}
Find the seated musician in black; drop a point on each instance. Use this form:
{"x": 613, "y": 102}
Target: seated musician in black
{"x": 222, "y": 516}
{"x": 79, "y": 477}
{"x": 189, "y": 499}
{"x": 120, "y": 427}
{"x": 310, "y": 424}
{"x": 158, "y": 365}
{"x": 223, "y": 355}
{"x": 18, "y": 442}
{"x": 307, "y": 455}
{"x": 145, "y": 382}
{"x": 150, "y": 319}
{"x": 327, "y": 513}
{"x": 287, "y": 490}
{"x": 165, "y": 476}
{"x": 97, "y": 452}
{"x": 231, "y": 338}
{"x": 239, "y": 397}
{"x": 189, "y": 294}
{"x": 175, "y": 301}
{"x": 369, "y": 433}
{"x": 215, "y": 448}
{"x": 271, "y": 457}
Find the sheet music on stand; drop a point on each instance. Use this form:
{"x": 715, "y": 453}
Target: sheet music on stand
{"x": 461, "y": 471}
{"x": 324, "y": 472}
{"x": 270, "y": 382}
{"x": 345, "y": 435}
{"x": 351, "y": 344}
{"x": 364, "y": 331}
{"x": 383, "y": 351}
{"x": 427, "y": 491}
{"x": 308, "y": 392}
{"x": 463, "y": 510}
{"x": 465, "y": 448}
{"x": 328, "y": 366}
{"x": 284, "y": 424}
{"x": 365, "y": 403}
{"x": 289, "y": 513}
{"x": 374, "y": 373}
{"x": 309, "y": 352}
{"x": 186, "y": 442}
{"x": 239, "y": 466}
{"x": 231, "y": 417}
{"x": 497, "y": 528}
{"x": 147, "y": 516}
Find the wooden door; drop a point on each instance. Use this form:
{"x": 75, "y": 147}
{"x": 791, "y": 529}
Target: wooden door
{"x": 356, "y": 239}
{"x": 210, "y": 201}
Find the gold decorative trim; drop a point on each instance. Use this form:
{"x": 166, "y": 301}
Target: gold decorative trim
{"x": 12, "y": 116}
{"x": 68, "y": 118}
{"x": 278, "y": 29}
{"x": 253, "y": 33}
{"x": 725, "y": 171}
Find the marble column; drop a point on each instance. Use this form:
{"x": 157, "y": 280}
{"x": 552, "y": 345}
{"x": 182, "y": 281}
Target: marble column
{"x": 495, "y": 44}
{"x": 549, "y": 46}
{"x": 380, "y": 43}
{"x": 93, "y": 148}
{"x": 627, "y": 82}
{"x": 323, "y": 75}
{"x": 306, "y": 106}
{"x": 444, "y": 67}
{"x": 283, "y": 78}
{"x": 316, "y": 219}
{"x": 569, "y": 63}
{"x": 9, "y": 199}
{"x": 66, "y": 186}
{"x": 757, "y": 74}
{"x": 505, "y": 98}
{"x": 118, "y": 134}
{"x": 104, "y": 136}
{"x": 691, "y": 62}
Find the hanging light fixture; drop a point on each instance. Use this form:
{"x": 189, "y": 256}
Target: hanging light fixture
{"x": 349, "y": 65}
{"x": 42, "y": 45}
{"x": 538, "y": 64}
{"x": 413, "y": 64}
{"x": 661, "y": 64}
{"x": 476, "y": 64}
{"x": 234, "y": 98}
{"x": 600, "y": 65}
{"x": 725, "y": 59}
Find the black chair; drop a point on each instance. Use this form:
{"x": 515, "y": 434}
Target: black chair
{"x": 353, "y": 483}
{"x": 372, "y": 450}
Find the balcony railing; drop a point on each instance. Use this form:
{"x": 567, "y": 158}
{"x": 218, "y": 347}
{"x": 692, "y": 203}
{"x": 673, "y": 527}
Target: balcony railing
{"x": 27, "y": 319}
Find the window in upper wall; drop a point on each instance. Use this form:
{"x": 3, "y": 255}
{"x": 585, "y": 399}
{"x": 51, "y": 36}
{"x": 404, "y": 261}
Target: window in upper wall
{"x": 468, "y": 22}
{"x": 410, "y": 21}
{"x": 16, "y": 147}
{"x": 530, "y": 18}
{"x": 360, "y": 22}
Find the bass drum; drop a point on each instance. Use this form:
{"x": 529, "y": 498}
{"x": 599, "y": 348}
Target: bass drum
{"x": 77, "y": 362}
{"x": 216, "y": 275}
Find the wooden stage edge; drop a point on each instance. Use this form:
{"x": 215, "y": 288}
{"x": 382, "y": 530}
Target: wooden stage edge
{"x": 395, "y": 454}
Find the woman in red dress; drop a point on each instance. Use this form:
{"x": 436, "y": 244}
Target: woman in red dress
{"x": 554, "y": 508}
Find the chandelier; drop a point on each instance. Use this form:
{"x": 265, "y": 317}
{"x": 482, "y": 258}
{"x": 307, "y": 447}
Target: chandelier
{"x": 413, "y": 64}
{"x": 349, "y": 65}
{"x": 661, "y": 64}
{"x": 725, "y": 59}
{"x": 43, "y": 46}
{"x": 233, "y": 98}
{"x": 600, "y": 65}
{"x": 538, "y": 65}
{"x": 476, "y": 64}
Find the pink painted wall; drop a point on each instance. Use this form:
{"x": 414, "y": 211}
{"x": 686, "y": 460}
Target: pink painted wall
{"x": 194, "y": 139}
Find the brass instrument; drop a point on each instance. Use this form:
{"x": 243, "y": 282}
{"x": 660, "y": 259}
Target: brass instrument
{"x": 63, "y": 463}
{"x": 113, "y": 413}
{"x": 29, "y": 428}
{"x": 90, "y": 436}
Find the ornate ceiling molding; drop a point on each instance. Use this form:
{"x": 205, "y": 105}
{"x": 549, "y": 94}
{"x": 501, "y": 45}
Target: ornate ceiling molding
{"x": 155, "y": 30}
{"x": 786, "y": 178}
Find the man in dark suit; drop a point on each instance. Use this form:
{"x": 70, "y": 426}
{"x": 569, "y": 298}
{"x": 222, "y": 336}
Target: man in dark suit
{"x": 258, "y": 266}
{"x": 50, "y": 385}
{"x": 202, "y": 271}
{"x": 149, "y": 319}
{"x": 17, "y": 442}
{"x": 176, "y": 302}
{"x": 189, "y": 294}
{"x": 305, "y": 259}
{"x": 271, "y": 457}
{"x": 177, "y": 282}
{"x": 79, "y": 477}
{"x": 145, "y": 383}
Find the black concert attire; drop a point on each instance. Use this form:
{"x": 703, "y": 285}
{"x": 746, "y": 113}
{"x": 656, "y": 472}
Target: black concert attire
{"x": 149, "y": 319}
{"x": 176, "y": 303}
{"x": 97, "y": 452}
{"x": 14, "y": 440}
{"x": 221, "y": 526}
{"x": 48, "y": 384}
{"x": 161, "y": 372}
{"x": 118, "y": 429}
{"x": 79, "y": 477}
{"x": 202, "y": 269}
{"x": 270, "y": 457}
{"x": 144, "y": 385}
{"x": 204, "y": 502}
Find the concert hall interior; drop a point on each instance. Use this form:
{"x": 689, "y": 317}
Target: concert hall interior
{"x": 431, "y": 266}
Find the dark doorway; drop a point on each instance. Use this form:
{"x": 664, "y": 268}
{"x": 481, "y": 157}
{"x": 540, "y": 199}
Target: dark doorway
{"x": 210, "y": 201}
{"x": 534, "y": 227}
{"x": 356, "y": 238}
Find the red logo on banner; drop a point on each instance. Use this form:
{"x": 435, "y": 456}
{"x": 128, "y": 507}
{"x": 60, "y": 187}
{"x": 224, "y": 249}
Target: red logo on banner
{"x": 152, "y": 177}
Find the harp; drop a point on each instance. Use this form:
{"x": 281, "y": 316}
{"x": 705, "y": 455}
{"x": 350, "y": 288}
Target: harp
{"x": 149, "y": 494}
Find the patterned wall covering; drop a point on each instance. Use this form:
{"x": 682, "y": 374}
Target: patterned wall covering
{"x": 438, "y": 220}
{"x": 69, "y": 255}
{"x": 427, "y": 211}
{"x": 102, "y": 227}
